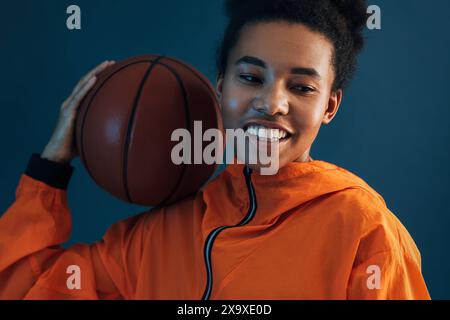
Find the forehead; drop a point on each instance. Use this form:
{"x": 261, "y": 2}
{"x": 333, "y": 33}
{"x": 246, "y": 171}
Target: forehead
{"x": 284, "y": 45}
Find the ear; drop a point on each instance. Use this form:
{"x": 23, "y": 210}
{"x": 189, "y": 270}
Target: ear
{"x": 333, "y": 106}
{"x": 219, "y": 86}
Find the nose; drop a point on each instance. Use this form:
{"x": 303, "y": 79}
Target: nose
{"x": 272, "y": 101}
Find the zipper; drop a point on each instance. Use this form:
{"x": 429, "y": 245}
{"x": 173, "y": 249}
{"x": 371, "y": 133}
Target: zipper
{"x": 213, "y": 234}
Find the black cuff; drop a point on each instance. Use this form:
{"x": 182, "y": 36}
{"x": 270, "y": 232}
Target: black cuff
{"x": 54, "y": 174}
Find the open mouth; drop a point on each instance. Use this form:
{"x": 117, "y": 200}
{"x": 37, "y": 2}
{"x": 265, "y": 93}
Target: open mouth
{"x": 267, "y": 134}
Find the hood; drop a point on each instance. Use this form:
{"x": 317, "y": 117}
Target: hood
{"x": 295, "y": 184}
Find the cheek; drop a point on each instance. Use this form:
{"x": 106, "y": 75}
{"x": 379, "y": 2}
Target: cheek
{"x": 234, "y": 106}
{"x": 308, "y": 119}
{"x": 317, "y": 116}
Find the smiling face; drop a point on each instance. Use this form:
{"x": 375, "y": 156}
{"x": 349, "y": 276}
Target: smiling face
{"x": 280, "y": 75}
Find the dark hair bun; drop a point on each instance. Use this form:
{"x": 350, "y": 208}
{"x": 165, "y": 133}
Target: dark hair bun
{"x": 354, "y": 11}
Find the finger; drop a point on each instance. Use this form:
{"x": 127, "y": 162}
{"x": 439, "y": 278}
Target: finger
{"x": 99, "y": 69}
{"x": 90, "y": 74}
{"x": 76, "y": 98}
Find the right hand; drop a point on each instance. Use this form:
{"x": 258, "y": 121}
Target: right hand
{"x": 62, "y": 148}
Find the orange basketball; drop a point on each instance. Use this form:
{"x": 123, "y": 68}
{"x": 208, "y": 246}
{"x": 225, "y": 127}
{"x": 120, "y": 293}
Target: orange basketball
{"x": 124, "y": 127}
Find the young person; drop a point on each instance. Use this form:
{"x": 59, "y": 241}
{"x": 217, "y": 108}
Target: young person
{"x": 312, "y": 231}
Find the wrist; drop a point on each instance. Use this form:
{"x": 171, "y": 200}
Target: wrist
{"x": 50, "y": 155}
{"x": 48, "y": 171}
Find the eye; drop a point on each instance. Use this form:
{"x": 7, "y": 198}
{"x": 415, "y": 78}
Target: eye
{"x": 304, "y": 89}
{"x": 248, "y": 78}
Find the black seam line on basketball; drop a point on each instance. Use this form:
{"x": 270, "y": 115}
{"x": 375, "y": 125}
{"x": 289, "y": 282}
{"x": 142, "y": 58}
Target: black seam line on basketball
{"x": 83, "y": 157}
{"x": 188, "y": 126}
{"x": 130, "y": 126}
{"x": 190, "y": 69}
{"x": 195, "y": 72}
{"x": 207, "y": 249}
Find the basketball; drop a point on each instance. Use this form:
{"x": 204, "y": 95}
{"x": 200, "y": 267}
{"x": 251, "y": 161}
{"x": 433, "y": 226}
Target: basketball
{"x": 125, "y": 123}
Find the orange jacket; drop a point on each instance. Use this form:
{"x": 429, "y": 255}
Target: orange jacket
{"x": 313, "y": 231}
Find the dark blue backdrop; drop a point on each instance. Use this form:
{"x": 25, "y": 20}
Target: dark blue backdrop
{"x": 392, "y": 130}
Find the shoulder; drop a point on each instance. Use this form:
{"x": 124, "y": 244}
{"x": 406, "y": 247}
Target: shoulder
{"x": 355, "y": 196}
{"x": 378, "y": 229}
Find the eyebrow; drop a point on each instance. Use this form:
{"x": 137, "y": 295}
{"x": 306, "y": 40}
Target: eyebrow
{"x": 297, "y": 70}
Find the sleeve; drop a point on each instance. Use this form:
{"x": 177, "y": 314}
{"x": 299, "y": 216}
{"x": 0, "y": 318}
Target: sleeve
{"x": 387, "y": 267}
{"x": 388, "y": 276}
{"x": 33, "y": 265}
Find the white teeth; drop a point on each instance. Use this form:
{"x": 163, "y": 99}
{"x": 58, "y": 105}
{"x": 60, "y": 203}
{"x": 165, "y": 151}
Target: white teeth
{"x": 252, "y": 131}
{"x": 266, "y": 133}
{"x": 262, "y": 133}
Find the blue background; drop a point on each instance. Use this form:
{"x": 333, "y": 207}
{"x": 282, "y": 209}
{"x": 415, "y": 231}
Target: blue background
{"x": 392, "y": 129}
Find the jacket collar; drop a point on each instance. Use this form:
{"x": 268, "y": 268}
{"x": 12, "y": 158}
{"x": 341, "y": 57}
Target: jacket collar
{"x": 294, "y": 186}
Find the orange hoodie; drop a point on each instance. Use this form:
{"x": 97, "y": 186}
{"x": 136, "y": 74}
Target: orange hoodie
{"x": 313, "y": 231}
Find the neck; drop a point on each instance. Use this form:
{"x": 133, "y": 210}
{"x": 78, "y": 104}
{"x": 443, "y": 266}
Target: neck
{"x": 305, "y": 157}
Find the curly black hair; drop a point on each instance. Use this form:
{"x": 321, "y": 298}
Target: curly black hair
{"x": 341, "y": 21}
